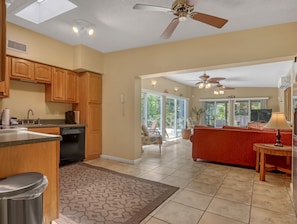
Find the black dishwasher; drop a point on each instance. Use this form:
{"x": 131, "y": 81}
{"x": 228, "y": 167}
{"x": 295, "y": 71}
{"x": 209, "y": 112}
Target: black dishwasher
{"x": 72, "y": 145}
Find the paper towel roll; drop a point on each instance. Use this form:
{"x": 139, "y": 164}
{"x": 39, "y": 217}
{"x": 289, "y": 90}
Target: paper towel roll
{"x": 5, "y": 117}
{"x": 76, "y": 116}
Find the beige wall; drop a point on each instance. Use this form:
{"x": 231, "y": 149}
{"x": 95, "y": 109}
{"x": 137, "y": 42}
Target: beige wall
{"x": 121, "y": 70}
{"x": 53, "y": 52}
{"x": 24, "y": 96}
{"x": 40, "y": 48}
{"x": 164, "y": 84}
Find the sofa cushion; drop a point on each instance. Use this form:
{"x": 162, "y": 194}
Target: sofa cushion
{"x": 256, "y": 125}
{"x": 234, "y": 127}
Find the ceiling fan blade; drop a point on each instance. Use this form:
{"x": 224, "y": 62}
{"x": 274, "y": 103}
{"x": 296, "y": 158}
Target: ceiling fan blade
{"x": 192, "y": 2}
{"x": 204, "y": 77}
{"x": 215, "y": 80}
{"x": 208, "y": 19}
{"x": 227, "y": 88}
{"x": 151, "y": 8}
{"x": 170, "y": 29}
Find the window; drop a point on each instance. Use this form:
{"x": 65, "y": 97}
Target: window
{"x": 218, "y": 112}
{"x": 150, "y": 108}
{"x": 175, "y": 116}
{"x": 242, "y": 110}
{"x": 171, "y": 115}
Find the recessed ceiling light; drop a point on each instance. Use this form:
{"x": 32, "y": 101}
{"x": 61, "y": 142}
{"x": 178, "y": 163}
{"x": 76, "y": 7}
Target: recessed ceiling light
{"x": 43, "y": 10}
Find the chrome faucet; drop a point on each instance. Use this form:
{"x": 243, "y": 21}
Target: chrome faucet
{"x": 28, "y": 113}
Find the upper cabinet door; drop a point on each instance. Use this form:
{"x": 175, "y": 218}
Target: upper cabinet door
{"x": 2, "y": 39}
{"x": 42, "y": 73}
{"x": 95, "y": 89}
{"x": 71, "y": 86}
{"x": 22, "y": 69}
{"x": 63, "y": 87}
{"x": 58, "y": 84}
{"x": 4, "y": 85}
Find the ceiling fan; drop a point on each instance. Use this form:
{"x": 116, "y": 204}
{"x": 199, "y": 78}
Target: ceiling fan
{"x": 182, "y": 9}
{"x": 220, "y": 86}
{"x": 206, "y": 81}
{"x": 219, "y": 89}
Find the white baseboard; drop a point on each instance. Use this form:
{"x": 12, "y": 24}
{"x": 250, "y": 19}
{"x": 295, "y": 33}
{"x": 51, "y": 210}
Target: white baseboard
{"x": 120, "y": 159}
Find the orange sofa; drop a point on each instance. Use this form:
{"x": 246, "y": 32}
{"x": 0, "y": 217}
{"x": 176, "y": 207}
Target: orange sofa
{"x": 234, "y": 145}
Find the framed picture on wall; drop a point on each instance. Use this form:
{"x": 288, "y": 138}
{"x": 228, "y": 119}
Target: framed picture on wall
{"x": 287, "y": 103}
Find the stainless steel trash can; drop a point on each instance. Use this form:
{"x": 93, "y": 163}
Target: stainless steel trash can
{"x": 21, "y": 198}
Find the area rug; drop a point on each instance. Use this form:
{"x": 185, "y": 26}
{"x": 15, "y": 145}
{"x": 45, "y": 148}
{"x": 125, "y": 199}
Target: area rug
{"x": 90, "y": 194}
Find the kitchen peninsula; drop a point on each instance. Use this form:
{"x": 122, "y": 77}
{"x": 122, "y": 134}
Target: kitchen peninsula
{"x": 26, "y": 151}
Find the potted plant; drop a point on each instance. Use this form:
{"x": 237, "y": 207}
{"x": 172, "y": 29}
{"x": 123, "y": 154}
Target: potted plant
{"x": 198, "y": 113}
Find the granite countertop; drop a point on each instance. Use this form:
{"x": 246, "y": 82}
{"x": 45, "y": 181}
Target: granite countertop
{"x": 49, "y": 125}
{"x": 45, "y": 123}
{"x": 20, "y": 136}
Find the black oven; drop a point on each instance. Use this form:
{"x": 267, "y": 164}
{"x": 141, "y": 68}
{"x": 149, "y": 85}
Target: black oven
{"x": 72, "y": 145}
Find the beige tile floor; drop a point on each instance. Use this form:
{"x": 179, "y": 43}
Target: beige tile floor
{"x": 209, "y": 193}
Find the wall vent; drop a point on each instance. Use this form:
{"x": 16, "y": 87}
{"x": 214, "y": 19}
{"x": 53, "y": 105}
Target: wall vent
{"x": 284, "y": 82}
{"x": 13, "y": 45}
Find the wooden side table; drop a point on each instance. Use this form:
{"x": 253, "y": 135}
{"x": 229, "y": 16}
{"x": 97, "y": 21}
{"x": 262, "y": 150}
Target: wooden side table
{"x": 269, "y": 149}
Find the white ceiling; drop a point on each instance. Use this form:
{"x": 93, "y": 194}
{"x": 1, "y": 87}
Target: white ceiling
{"x": 119, "y": 27}
{"x": 260, "y": 75}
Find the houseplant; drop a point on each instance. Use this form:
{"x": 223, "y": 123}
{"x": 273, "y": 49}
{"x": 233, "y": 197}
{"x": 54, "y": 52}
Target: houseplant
{"x": 197, "y": 113}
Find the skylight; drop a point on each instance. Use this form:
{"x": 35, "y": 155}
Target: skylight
{"x": 43, "y": 10}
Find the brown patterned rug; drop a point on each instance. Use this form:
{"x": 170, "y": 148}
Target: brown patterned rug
{"x": 90, "y": 194}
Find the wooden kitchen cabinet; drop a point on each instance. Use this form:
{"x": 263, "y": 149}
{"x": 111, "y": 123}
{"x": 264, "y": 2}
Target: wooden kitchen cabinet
{"x": 95, "y": 95}
{"x": 4, "y": 85}
{"x": 22, "y": 69}
{"x": 56, "y": 91}
{"x": 46, "y": 130}
{"x": 90, "y": 107}
{"x": 2, "y": 39}
{"x": 42, "y": 73}
{"x": 94, "y": 131}
{"x": 37, "y": 157}
{"x": 71, "y": 86}
{"x": 63, "y": 87}
{"x": 25, "y": 70}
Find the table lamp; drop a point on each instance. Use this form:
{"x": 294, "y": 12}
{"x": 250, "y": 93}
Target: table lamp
{"x": 278, "y": 121}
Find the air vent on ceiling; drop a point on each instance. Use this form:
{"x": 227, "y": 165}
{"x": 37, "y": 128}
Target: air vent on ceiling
{"x": 13, "y": 45}
{"x": 284, "y": 82}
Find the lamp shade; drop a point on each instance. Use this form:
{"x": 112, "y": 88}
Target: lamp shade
{"x": 278, "y": 121}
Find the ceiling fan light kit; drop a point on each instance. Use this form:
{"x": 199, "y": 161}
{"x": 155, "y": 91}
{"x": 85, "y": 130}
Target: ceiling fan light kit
{"x": 218, "y": 92}
{"x": 182, "y": 9}
{"x": 204, "y": 85}
{"x": 182, "y": 16}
